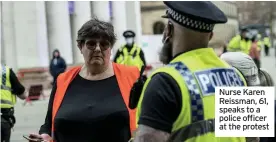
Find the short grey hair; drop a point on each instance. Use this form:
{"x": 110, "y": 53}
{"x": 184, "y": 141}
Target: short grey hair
{"x": 96, "y": 28}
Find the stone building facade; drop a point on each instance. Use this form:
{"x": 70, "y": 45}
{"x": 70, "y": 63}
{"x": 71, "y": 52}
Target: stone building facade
{"x": 152, "y": 23}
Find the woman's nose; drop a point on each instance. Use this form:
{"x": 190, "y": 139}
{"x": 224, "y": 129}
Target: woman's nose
{"x": 98, "y": 48}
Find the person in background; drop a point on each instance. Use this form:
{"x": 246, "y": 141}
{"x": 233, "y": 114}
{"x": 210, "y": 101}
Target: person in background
{"x": 267, "y": 45}
{"x": 260, "y": 42}
{"x": 171, "y": 106}
{"x": 254, "y": 77}
{"x": 89, "y": 103}
{"x": 130, "y": 54}
{"x": 10, "y": 89}
{"x": 57, "y": 65}
{"x": 240, "y": 42}
{"x": 254, "y": 52}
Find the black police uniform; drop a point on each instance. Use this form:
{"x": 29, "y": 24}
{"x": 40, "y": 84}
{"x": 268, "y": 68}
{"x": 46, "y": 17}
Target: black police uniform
{"x": 162, "y": 98}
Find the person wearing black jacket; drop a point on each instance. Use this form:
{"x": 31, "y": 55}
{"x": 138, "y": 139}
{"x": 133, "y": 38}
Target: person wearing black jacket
{"x": 57, "y": 65}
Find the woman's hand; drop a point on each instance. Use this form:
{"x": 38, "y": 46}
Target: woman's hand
{"x": 44, "y": 137}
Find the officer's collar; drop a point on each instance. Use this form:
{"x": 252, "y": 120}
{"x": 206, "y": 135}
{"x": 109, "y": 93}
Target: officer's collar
{"x": 199, "y": 50}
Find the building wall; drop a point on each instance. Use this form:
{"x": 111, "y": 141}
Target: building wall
{"x": 32, "y": 30}
{"x": 255, "y": 12}
{"x": 153, "y": 10}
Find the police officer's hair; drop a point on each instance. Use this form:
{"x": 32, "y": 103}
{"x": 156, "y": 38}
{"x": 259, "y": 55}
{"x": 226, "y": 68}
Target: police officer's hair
{"x": 96, "y": 28}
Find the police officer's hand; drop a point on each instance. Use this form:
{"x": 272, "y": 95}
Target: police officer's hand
{"x": 44, "y": 137}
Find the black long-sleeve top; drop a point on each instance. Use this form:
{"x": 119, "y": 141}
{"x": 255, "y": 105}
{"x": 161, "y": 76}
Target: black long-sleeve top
{"x": 91, "y": 111}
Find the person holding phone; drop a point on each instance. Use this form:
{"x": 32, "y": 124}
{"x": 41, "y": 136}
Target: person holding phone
{"x": 90, "y": 103}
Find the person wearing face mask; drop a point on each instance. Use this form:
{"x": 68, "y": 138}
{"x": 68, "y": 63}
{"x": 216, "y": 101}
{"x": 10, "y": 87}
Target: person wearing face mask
{"x": 57, "y": 65}
{"x": 240, "y": 42}
{"x": 130, "y": 54}
{"x": 88, "y": 103}
{"x": 172, "y": 106}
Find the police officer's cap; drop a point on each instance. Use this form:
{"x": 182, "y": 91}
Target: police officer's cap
{"x": 128, "y": 33}
{"x": 196, "y": 15}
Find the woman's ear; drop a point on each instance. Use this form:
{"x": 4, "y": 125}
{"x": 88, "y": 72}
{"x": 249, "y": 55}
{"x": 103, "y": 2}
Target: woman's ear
{"x": 79, "y": 46}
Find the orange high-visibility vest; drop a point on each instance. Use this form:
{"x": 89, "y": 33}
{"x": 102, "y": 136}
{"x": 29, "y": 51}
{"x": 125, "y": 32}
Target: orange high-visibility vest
{"x": 126, "y": 77}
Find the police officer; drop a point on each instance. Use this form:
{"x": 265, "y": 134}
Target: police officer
{"x": 10, "y": 88}
{"x": 241, "y": 42}
{"x": 260, "y": 43}
{"x": 174, "y": 104}
{"x": 130, "y": 53}
{"x": 267, "y": 45}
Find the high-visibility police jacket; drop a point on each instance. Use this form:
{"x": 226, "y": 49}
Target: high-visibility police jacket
{"x": 7, "y": 98}
{"x": 267, "y": 42}
{"x": 126, "y": 76}
{"x": 239, "y": 44}
{"x": 260, "y": 45}
{"x": 131, "y": 58}
{"x": 197, "y": 73}
{"x": 260, "y": 42}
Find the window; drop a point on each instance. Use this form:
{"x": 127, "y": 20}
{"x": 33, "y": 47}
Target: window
{"x": 158, "y": 27}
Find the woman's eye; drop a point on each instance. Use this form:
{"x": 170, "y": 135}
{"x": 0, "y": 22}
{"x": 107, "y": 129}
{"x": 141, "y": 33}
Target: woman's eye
{"x": 104, "y": 44}
{"x": 91, "y": 44}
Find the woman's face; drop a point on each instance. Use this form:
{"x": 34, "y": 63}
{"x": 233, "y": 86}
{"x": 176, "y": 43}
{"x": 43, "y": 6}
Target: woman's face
{"x": 96, "y": 51}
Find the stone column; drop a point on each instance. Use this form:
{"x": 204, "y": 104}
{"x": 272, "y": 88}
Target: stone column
{"x": 8, "y": 46}
{"x": 82, "y": 13}
{"x": 1, "y": 35}
{"x": 101, "y": 9}
{"x": 59, "y": 31}
{"x": 119, "y": 22}
{"x": 29, "y": 34}
{"x": 42, "y": 36}
{"x": 134, "y": 19}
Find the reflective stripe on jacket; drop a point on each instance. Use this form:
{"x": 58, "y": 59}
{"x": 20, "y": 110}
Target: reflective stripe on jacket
{"x": 7, "y": 98}
{"x": 197, "y": 73}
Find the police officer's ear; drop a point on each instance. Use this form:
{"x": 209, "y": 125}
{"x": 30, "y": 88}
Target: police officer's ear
{"x": 170, "y": 29}
{"x": 211, "y": 36}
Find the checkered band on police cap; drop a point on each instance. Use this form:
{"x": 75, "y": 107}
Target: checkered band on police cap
{"x": 189, "y": 22}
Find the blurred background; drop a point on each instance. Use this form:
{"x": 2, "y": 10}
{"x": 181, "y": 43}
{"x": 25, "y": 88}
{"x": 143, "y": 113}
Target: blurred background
{"x": 31, "y": 31}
